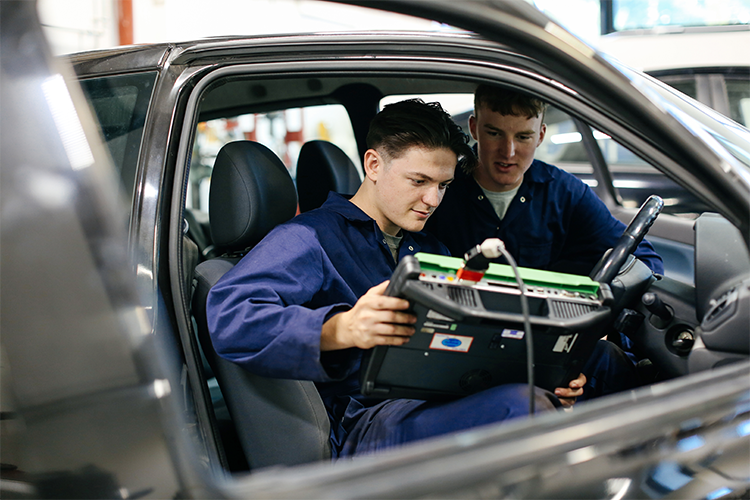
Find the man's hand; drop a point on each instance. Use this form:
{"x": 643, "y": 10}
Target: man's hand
{"x": 375, "y": 319}
{"x": 568, "y": 395}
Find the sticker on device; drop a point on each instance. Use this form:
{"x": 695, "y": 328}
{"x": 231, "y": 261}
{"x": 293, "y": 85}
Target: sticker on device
{"x": 512, "y": 334}
{"x": 451, "y": 342}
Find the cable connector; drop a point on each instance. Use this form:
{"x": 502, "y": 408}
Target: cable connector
{"x": 477, "y": 260}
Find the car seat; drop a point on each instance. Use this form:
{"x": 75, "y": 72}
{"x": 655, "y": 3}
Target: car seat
{"x": 323, "y": 167}
{"x": 277, "y": 421}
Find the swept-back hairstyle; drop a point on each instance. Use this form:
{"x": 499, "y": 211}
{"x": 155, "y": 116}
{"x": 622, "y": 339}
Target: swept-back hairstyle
{"x": 508, "y": 102}
{"x": 413, "y": 122}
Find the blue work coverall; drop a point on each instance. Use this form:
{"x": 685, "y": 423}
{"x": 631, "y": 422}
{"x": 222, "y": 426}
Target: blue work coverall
{"x": 266, "y": 314}
{"x": 555, "y": 222}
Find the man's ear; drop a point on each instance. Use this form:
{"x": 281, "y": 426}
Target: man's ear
{"x": 473, "y": 127}
{"x": 542, "y": 131}
{"x": 372, "y": 164}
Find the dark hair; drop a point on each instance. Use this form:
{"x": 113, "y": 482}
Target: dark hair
{"x": 508, "y": 102}
{"x": 413, "y": 122}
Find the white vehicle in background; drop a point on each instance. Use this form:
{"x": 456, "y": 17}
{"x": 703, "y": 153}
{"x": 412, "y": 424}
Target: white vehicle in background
{"x": 702, "y": 53}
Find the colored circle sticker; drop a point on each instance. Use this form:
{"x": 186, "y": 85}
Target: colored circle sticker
{"x": 451, "y": 342}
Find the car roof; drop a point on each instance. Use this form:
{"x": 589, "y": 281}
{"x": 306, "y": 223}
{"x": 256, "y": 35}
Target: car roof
{"x": 144, "y": 57}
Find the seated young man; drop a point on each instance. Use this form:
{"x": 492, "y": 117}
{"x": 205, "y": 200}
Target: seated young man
{"x": 306, "y": 301}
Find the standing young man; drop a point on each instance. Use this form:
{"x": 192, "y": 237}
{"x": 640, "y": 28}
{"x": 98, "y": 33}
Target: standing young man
{"x": 307, "y": 300}
{"x": 548, "y": 218}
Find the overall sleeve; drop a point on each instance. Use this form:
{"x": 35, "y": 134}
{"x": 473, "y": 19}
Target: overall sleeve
{"x": 262, "y": 314}
{"x": 594, "y": 230}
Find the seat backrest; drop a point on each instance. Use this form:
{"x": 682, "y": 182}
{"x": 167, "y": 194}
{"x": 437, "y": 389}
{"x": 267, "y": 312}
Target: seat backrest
{"x": 323, "y": 167}
{"x": 277, "y": 421}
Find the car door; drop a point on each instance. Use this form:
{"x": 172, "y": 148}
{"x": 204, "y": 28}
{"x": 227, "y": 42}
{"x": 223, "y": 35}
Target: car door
{"x": 82, "y": 395}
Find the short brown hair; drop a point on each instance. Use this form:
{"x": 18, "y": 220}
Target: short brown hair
{"x": 508, "y": 102}
{"x": 413, "y": 122}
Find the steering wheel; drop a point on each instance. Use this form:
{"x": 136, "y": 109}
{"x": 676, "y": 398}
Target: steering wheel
{"x": 611, "y": 262}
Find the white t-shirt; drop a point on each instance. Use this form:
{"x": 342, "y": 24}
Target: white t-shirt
{"x": 500, "y": 201}
{"x": 393, "y": 243}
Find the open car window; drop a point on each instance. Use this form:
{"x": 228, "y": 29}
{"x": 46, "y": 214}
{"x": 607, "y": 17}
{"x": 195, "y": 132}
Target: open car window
{"x": 283, "y": 132}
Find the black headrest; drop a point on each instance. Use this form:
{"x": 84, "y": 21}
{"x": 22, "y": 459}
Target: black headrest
{"x": 251, "y": 193}
{"x": 323, "y": 167}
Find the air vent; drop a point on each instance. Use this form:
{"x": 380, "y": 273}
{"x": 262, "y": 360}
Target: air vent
{"x": 464, "y": 296}
{"x": 565, "y": 309}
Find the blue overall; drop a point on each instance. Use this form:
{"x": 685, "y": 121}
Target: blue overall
{"x": 266, "y": 314}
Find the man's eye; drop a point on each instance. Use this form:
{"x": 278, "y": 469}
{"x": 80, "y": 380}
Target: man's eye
{"x": 418, "y": 182}
{"x": 525, "y": 137}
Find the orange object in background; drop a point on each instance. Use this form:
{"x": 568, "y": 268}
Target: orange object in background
{"x": 125, "y": 21}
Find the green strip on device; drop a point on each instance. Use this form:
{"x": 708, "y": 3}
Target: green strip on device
{"x": 443, "y": 265}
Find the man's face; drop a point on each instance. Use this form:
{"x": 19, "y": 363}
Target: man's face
{"x": 506, "y": 146}
{"x": 408, "y": 188}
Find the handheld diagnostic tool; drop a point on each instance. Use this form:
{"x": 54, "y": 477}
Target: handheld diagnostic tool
{"x": 470, "y": 334}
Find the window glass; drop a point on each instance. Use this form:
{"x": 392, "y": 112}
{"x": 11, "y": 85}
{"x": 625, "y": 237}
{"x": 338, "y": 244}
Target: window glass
{"x": 687, "y": 87}
{"x": 283, "y": 132}
{"x": 738, "y": 93}
{"x": 563, "y": 145}
{"x": 454, "y": 104}
{"x": 120, "y": 104}
{"x": 644, "y": 14}
{"x": 635, "y": 179}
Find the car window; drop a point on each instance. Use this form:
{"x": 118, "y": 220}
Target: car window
{"x": 687, "y": 86}
{"x": 120, "y": 104}
{"x": 738, "y": 94}
{"x": 284, "y": 132}
{"x": 635, "y": 179}
{"x": 635, "y": 15}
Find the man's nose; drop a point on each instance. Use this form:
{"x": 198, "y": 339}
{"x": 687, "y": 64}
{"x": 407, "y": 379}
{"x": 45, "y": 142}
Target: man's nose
{"x": 508, "y": 148}
{"x": 432, "y": 197}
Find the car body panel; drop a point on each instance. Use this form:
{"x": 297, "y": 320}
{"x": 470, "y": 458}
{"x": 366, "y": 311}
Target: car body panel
{"x": 121, "y": 59}
{"x": 87, "y": 404}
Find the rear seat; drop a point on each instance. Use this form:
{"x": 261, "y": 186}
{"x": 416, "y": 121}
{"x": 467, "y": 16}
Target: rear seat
{"x": 323, "y": 167}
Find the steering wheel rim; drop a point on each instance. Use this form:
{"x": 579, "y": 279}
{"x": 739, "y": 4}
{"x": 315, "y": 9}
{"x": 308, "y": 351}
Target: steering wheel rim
{"x": 611, "y": 262}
